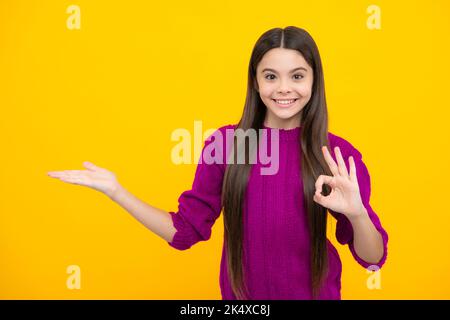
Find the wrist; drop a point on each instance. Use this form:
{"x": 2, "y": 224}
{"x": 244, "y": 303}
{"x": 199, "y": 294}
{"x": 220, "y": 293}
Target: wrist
{"x": 115, "y": 192}
{"x": 360, "y": 215}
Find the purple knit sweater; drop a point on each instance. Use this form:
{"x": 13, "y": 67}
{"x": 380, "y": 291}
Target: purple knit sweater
{"x": 276, "y": 242}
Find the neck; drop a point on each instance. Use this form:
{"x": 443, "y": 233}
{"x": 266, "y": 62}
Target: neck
{"x": 278, "y": 123}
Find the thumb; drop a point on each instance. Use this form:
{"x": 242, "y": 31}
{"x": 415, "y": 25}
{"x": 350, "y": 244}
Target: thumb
{"x": 90, "y": 166}
{"x": 316, "y": 197}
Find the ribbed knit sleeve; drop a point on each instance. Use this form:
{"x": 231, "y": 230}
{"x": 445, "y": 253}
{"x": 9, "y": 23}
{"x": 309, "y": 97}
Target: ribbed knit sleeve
{"x": 199, "y": 207}
{"x": 344, "y": 229}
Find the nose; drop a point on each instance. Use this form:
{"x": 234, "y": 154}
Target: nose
{"x": 284, "y": 87}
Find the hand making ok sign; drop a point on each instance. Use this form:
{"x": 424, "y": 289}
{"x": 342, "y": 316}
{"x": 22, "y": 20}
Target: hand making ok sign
{"x": 344, "y": 197}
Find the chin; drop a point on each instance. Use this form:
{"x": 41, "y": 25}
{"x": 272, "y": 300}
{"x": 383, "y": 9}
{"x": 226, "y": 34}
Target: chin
{"x": 288, "y": 114}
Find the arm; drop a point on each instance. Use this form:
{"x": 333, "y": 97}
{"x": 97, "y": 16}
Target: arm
{"x": 357, "y": 223}
{"x": 105, "y": 181}
{"x": 367, "y": 241}
{"x": 198, "y": 207}
{"x": 156, "y": 220}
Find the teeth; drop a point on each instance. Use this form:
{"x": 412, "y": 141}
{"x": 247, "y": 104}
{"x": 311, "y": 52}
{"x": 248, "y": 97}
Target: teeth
{"x": 285, "y": 101}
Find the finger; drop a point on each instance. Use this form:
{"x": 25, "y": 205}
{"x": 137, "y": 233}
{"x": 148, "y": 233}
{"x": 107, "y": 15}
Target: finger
{"x": 321, "y": 180}
{"x": 59, "y": 174}
{"x": 74, "y": 176}
{"x": 353, "y": 176}
{"x": 341, "y": 163}
{"x": 318, "y": 198}
{"x": 66, "y": 175}
{"x": 331, "y": 164}
{"x": 55, "y": 174}
{"x": 322, "y": 200}
{"x": 90, "y": 166}
{"x": 74, "y": 180}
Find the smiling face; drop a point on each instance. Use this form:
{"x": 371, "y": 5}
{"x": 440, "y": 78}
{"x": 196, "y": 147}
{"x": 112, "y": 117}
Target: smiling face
{"x": 284, "y": 81}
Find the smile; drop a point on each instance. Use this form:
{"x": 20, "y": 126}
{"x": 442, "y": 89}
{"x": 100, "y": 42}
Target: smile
{"x": 284, "y": 103}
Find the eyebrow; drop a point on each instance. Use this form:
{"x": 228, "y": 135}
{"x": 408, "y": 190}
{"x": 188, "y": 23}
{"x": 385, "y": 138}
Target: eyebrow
{"x": 299, "y": 68}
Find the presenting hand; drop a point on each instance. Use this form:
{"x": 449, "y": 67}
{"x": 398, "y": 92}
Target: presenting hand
{"x": 94, "y": 177}
{"x": 344, "y": 197}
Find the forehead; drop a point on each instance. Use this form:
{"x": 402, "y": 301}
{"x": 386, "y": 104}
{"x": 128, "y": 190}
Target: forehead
{"x": 283, "y": 60}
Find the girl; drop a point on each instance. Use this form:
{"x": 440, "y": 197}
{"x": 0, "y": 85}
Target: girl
{"x": 275, "y": 244}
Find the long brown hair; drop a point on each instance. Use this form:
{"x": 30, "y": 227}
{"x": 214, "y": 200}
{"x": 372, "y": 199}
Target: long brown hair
{"x": 314, "y": 135}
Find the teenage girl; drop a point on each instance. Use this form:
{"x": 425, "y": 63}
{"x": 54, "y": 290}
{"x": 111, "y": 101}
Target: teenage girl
{"x": 275, "y": 244}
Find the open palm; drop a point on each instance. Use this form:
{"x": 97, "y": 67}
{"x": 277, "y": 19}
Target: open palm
{"x": 94, "y": 177}
{"x": 344, "y": 197}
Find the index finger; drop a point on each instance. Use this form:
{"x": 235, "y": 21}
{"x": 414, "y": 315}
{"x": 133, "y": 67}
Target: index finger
{"x": 333, "y": 166}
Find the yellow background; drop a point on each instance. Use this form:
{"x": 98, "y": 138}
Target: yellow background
{"x": 113, "y": 91}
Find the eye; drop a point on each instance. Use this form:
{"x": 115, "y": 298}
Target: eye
{"x": 269, "y": 76}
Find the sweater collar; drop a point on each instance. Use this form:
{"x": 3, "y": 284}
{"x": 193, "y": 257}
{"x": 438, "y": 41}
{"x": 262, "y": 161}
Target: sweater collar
{"x": 286, "y": 134}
